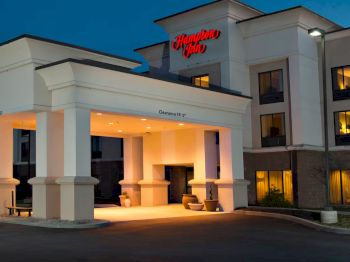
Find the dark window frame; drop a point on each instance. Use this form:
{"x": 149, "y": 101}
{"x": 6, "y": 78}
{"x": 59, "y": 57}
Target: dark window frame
{"x": 96, "y": 154}
{"x": 337, "y": 93}
{"x": 339, "y": 138}
{"x": 283, "y": 137}
{"x": 200, "y": 76}
{"x": 277, "y": 97}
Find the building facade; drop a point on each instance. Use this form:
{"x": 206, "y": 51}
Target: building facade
{"x": 232, "y": 102}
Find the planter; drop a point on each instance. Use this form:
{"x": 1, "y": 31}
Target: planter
{"x": 329, "y": 217}
{"x": 211, "y": 205}
{"x": 188, "y": 198}
{"x": 122, "y": 200}
{"x": 196, "y": 206}
{"x": 127, "y": 202}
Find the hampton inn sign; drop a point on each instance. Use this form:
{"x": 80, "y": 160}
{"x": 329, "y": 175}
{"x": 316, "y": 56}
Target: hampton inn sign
{"x": 191, "y": 44}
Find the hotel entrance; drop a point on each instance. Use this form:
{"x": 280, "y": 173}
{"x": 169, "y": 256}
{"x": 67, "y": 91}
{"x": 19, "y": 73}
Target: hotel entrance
{"x": 178, "y": 176}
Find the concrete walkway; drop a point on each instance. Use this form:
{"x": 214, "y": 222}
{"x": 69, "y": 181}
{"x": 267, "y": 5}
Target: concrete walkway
{"x": 119, "y": 214}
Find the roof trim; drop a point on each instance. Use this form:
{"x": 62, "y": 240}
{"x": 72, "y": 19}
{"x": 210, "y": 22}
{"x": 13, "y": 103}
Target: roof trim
{"x": 286, "y": 10}
{"x": 200, "y": 6}
{"x": 151, "y": 45}
{"x": 338, "y": 30}
{"x": 128, "y": 71}
{"x": 51, "y": 41}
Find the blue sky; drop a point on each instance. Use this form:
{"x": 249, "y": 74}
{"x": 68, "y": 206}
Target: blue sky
{"x": 119, "y": 26}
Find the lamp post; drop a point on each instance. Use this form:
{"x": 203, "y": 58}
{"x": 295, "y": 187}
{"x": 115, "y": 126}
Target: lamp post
{"x": 316, "y": 32}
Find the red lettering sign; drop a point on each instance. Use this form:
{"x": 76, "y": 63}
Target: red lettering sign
{"x": 191, "y": 44}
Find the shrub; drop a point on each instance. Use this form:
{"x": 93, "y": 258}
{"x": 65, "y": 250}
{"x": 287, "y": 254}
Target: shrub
{"x": 275, "y": 198}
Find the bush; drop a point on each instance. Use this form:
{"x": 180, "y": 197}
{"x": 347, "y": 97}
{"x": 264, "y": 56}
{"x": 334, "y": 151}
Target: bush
{"x": 275, "y": 198}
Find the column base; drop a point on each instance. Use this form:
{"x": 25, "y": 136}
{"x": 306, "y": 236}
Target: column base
{"x": 154, "y": 192}
{"x": 232, "y": 194}
{"x": 77, "y": 198}
{"x": 201, "y": 188}
{"x": 133, "y": 189}
{"x": 7, "y": 186}
{"x": 46, "y": 197}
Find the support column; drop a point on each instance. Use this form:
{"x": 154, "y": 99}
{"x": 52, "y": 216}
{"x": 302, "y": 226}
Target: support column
{"x": 77, "y": 185}
{"x": 205, "y": 165}
{"x": 133, "y": 168}
{"x": 154, "y": 191}
{"x": 49, "y": 165}
{"x": 232, "y": 188}
{"x": 7, "y": 182}
{"x": 154, "y": 188}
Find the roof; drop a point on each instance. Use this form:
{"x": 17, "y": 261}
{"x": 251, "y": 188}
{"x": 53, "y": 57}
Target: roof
{"x": 208, "y": 4}
{"x": 107, "y": 66}
{"x": 148, "y": 46}
{"x": 286, "y": 10}
{"x": 39, "y": 38}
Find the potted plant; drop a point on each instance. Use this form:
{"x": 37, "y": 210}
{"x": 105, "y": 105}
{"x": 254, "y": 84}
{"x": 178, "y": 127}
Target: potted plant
{"x": 211, "y": 204}
{"x": 127, "y": 201}
{"x": 122, "y": 198}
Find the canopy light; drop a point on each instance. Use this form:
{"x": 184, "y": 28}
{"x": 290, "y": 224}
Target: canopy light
{"x": 316, "y": 32}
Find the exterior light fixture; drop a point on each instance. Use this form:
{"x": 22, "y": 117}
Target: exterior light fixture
{"x": 110, "y": 123}
{"x": 148, "y": 127}
{"x": 316, "y": 32}
{"x": 120, "y": 131}
{"x": 143, "y": 119}
{"x": 181, "y": 124}
{"x": 99, "y": 114}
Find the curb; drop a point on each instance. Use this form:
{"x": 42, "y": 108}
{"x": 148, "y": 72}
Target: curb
{"x": 58, "y": 224}
{"x": 304, "y": 222}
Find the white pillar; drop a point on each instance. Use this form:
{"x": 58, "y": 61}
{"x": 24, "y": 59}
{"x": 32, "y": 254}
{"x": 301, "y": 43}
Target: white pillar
{"x": 133, "y": 168}
{"x": 7, "y": 182}
{"x": 77, "y": 185}
{"x": 232, "y": 188}
{"x": 49, "y": 165}
{"x": 154, "y": 188}
{"x": 205, "y": 165}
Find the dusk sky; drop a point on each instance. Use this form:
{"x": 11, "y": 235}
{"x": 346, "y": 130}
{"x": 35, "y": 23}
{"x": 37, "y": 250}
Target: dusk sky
{"x": 120, "y": 26}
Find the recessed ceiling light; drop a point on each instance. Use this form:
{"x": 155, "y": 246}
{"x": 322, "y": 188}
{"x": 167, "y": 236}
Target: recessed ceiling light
{"x": 143, "y": 119}
{"x": 148, "y": 127}
{"x": 99, "y": 114}
{"x": 181, "y": 124}
{"x": 120, "y": 131}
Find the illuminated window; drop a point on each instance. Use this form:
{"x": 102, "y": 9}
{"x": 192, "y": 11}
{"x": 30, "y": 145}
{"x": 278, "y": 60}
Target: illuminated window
{"x": 341, "y": 82}
{"x": 201, "y": 81}
{"x": 271, "y": 87}
{"x": 342, "y": 128}
{"x": 339, "y": 185}
{"x": 272, "y": 130}
{"x": 280, "y": 180}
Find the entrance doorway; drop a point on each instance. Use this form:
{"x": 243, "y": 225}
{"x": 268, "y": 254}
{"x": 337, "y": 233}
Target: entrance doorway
{"x": 107, "y": 166}
{"x": 178, "y": 176}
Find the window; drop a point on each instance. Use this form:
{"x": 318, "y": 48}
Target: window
{"x": 201, "y": 81}
{"x": 341, "y": 82}
{"x": 339, "y": 187}
{"x": 25, "y": 145}
{"x": 271, "y": 87}
{"x": 280, "y": 180}
{"x": 342, "y": 128}
{"x": 96, "y": 147}
{"x": 272, "y": 130}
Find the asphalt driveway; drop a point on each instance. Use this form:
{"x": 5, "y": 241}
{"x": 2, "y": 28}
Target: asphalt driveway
{"x": 228, "y": 237}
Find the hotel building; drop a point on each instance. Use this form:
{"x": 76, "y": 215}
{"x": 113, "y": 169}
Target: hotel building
{"x": 232, "y": 104}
